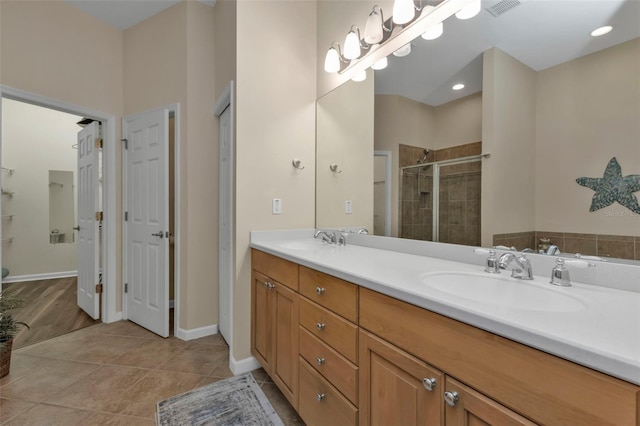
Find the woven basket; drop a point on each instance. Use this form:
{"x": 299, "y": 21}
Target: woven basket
{"x": 5, "y": 357}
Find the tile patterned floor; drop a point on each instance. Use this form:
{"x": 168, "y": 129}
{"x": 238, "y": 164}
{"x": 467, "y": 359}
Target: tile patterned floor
{"x": 114, "y": 374}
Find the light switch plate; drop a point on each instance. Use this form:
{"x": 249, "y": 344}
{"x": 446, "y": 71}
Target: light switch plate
{"x": 276, "y": 207}
{"x": 347, "y": 207}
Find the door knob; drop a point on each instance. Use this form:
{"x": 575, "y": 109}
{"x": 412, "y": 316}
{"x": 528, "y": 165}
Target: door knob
{"x": 429, "y": 384}
{"x": 158, "y": 234}
{"x": 451, "y": 397}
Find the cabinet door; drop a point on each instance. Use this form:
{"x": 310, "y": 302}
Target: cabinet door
{"x": 261, "y": 319}
{"x": 393, "y": 390}
{"x": 284, "y": 355}
{"x": 471, "y": 408}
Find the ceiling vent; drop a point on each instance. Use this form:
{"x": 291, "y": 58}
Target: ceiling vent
{"x": 503, "y": 7}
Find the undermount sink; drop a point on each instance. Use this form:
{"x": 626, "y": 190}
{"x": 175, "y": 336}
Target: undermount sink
{"x": 499, "y": 290}
{"x": 304, "y": 245}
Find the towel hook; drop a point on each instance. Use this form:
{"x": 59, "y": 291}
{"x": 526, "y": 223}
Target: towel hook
{"x": 334, "y": 168}
{"x": 297, "y": 164}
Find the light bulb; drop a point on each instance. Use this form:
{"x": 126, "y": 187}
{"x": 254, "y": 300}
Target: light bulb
{"x": 403, "y": 11}
{"x": 433, "y": 32}
{"x": 361, "y": 76}
{"x": 403, "y": 51}
{"x": 373, "y": 29}
{"x": 470, "y": 10}
{"x": 332, "y": 60}
{"x": 458, "y": 86}
{"x": 380, "y": 64}
{"x": 352, "y": 45}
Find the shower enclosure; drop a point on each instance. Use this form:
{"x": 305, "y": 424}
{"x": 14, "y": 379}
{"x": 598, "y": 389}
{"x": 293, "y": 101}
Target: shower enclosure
{"x": 440, "y": 201}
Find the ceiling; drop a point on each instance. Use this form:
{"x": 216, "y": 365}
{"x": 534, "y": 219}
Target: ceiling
{"x": 539, "y": 33}
{"x": 124, "y": 14}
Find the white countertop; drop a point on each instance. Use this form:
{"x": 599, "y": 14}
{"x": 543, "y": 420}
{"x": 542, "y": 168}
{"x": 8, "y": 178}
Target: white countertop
{"x": 602, "y": 333}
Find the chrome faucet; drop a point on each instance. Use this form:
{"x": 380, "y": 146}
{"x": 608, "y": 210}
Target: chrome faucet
{"x": 362, "y": 231}
{"x": 521, "y": 268}
{"x": 326, "y": 236}
{"x": 553, "y": 250}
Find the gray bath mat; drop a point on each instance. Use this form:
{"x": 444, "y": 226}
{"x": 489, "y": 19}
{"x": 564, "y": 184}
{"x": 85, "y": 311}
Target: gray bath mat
{"x": 234, "y": 401}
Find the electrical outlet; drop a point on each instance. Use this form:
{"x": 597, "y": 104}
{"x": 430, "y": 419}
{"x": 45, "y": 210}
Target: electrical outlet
{"x": 276, "y": 206}
{"x": 347, "y": 207}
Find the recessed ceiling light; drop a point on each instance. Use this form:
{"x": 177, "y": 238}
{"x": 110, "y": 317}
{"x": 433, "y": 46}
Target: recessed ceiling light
{"x": 458, "y": 86}
{"x": 601, "y": 31}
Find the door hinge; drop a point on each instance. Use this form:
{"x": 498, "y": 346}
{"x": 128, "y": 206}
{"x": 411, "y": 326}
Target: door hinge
{"x": 126, "y": 216}
{"x": 99, "y": 216}
{"x": 126, "y": 143}
{"x": 99, "y": 143}
{"x": 126, "y": 287}
{"x": 98, "y": 288}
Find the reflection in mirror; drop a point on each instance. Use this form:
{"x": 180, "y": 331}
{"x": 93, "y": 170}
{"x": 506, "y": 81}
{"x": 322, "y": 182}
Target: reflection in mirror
{"x": 61, "y": 207}
{"x": 550, "y": 107}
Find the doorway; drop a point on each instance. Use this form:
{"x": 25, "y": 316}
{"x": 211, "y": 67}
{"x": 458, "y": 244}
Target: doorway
{"x": 108, "y": 196}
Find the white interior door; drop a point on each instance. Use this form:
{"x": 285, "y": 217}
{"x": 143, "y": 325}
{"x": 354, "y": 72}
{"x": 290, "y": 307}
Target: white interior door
{"x": 226, "y": 224}
{"x": 88, "y": 226}
{"x": 147, "y": 221}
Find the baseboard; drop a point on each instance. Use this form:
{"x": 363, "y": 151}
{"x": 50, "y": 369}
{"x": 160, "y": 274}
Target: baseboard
{"x": 244, "y": 365}
{"x": 196, "y": 333}
{"x": 38, "y": 277}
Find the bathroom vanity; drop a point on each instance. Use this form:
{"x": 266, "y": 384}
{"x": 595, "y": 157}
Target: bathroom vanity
{"x": 351, "y": 336}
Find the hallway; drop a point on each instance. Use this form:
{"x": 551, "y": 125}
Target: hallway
{"x": 114, "y": 374}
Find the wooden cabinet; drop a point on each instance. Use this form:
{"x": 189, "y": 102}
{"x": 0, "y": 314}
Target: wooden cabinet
{"x": 467, "y": 407}
{"x": 397, "y": 388}
{"x": 274, "y": 331}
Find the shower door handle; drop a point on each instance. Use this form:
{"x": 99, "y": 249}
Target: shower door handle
{"x": 158, "y": 234}
{"x": 76, "y": 228}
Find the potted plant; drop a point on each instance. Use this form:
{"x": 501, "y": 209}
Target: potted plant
{"x": 9, "y": 327}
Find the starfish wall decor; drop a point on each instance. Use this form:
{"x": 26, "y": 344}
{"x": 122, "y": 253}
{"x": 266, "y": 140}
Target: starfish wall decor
{"x": 613, "y": 187}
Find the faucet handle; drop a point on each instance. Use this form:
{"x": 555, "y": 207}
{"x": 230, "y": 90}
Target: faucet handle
{"x": 492, "y": 263}
{"x": 560, "y": 274}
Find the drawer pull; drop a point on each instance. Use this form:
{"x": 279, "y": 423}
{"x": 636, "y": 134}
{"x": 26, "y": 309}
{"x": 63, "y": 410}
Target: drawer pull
{"x": 429, "y": 384}
{"x": 320, "y": 326}
{"x": 451, "y": 398}
{"x": 319, "y": 361}
{"x": 268, "y": 285}
{"x": 320, "y": 397}
{"x": 320, "y": 290}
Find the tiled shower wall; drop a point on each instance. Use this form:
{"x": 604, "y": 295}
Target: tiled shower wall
{"x": 619, "y": 246}
{"x": 460, "y": 188}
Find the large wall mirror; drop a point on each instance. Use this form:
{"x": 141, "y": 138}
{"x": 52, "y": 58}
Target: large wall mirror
{"x": 546, "y": 100}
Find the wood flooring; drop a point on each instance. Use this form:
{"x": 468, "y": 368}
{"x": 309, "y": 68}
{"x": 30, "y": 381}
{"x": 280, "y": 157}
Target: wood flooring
{"x": 51, "y": 309}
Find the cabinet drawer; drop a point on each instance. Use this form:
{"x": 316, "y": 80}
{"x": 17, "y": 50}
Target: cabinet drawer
{"x": 276, "y": 268}
{"x": 333, "y": 293}
{"x": 320, "y": 403}
{"x": 334, "y": 367}
{"x": 337, "y": 332}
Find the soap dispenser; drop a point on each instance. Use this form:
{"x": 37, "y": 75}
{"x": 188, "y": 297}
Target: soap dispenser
{"x": 560, "y": 274}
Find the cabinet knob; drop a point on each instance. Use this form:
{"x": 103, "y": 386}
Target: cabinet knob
{"x": 451, "y": 398}
{"x": 320, "y": 290}
{"x": 320, "y": 326}
{"x": 319, "y": 360}
{"x": 429, "y": 384}
{"x": 320, "y": 397}
{"x": 266, "y": 284}
{"x": 271, "y": 286}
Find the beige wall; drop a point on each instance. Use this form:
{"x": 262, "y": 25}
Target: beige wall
{"x": 49, "y": 136}
{"x": 588, "y": 111}
{"x": 508, "y": 133}
{"x": 275, "y": 123}
{"x": 168, "y": 59}
{"x": 458, "y": 122}
{"x": 344, "y": 132}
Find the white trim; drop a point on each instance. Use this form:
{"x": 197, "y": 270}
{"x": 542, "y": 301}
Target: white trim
{"x": 37, "y": 277}
{"x": 175, "y": 303}
{"x": 196, "y": 333}
{"x": 109, "y": 199}
{"x": 387, "y": 191}
{"x": 244, "y": 365}
{"x": 224, "y": 101}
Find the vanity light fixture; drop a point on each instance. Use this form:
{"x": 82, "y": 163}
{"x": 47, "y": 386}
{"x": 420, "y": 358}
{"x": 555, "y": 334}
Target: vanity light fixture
{"x": 469, "y": 11}
{"x": 380, "y": 65}
{"x": 435, "y": 31}
{"x": 333, "y": 58}
{"x": 361, "y": 76}
{"x": 403, "y": 11}
{"x": 458, "y": 86}
{"x": 403, "y": 51}
{"x": 601, "y": 31}
{"x": 352, "y": 43}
